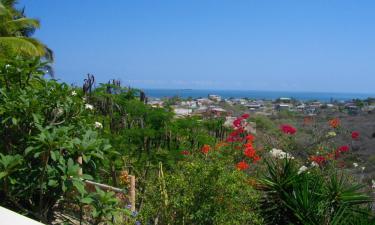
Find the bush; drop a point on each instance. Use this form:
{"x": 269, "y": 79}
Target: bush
{"x": 201, "y": 191}
{"x": 43, "y": 131}
{"x": 311, "y": 197}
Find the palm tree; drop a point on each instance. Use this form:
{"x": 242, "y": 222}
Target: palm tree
{"x": 15, "y": 32}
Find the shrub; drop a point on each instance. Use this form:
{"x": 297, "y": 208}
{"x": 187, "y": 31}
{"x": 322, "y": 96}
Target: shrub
{"x": 201, "y": 191}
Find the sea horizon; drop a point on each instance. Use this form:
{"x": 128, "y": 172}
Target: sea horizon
{"x": 255, "y": 94}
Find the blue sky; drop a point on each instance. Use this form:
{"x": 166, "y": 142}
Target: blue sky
{"x": 295, "y": 45}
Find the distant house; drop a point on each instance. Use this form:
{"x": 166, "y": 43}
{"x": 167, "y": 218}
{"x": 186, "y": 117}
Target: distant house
{"x": 156, "y": 103}
{"x": 190, "y": 104}
{"x": 204, "y": 101}
{"x": 182, "y": 112}
{"x": 281, "y": 107}
{"x": 315, "y": 104}
{"x": 301, "y": 107}
{"x": 239, "y": 101}
{"x": 311, "y": 110}
{"x": 254, "y": 105}
{"x": 284, "y": 100}
{"x": 211, "y": 111}
{"x": 215, "y": 98}
{"x": 200, "y": 110}
{"x": 218, "y": 111}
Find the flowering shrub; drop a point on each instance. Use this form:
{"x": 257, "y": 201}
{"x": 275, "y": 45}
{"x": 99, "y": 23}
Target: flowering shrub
{"x": 44, "y": 130}
{"x": 206, "y": 148}
{"x": 288, "y": 129}
{"x": 334, "y": 123}
{"x": 242, "y": 165}
{"x": 355, "y": 135}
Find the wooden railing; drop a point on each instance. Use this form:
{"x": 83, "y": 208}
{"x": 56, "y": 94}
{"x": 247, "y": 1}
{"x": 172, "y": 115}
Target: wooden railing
{"x": 131, "y": 187}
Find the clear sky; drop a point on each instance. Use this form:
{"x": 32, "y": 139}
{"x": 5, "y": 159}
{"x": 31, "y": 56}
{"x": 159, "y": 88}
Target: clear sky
{"x": 300, "y": 45}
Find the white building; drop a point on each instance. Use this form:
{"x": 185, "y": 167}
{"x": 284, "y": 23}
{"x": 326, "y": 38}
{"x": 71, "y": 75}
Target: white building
{"x": 215, "y": 98}
{"x": 181, "y": 112}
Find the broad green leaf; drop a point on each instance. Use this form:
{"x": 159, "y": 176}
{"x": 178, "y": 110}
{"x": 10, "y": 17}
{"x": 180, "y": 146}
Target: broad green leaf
{"x": 28, "y": 150}
{"x": 3, "y": 174}
{"x": 52, "y": 183}
{"x": 87, "y": 200}
{"x": 79, "y": 185}
{"x": 14, "y": 121}
{"x": 53, "y": 155}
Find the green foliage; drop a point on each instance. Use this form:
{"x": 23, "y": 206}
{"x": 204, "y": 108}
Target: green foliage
{"x": 15, "y": 32}
{"x": 201, "y": 191}
{"x": 264, "y": 123}
{"x": 104, "y": 205}
{"x": 313, "y": 197}
{"x": 44, "y": 130}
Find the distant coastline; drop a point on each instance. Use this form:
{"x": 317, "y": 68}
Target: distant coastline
{"x": 256, "y": 94}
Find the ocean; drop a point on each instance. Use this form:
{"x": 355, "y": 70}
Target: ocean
{"x": 252, "y": 94}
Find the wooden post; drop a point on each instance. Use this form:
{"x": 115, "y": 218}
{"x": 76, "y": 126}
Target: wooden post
{"x": 132, "y": 192}
{"x": 79, "y": 160}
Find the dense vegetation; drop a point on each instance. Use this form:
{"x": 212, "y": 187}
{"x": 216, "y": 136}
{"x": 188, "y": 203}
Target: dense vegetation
{"x": 188, "y": 170}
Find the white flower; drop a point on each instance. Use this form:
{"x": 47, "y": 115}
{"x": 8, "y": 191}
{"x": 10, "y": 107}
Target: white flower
{"x": 302, "y": 169}
{"x": 88, "y": 106}
{"x": 74, "y": 93}
{"x": 373, "y": 183}
{"x": 314, "y": 164}
{"x": 278, "y": 153}
{"x": 83, "y": 99}
{"x": 355, "y": 165}
{"x": 7, "y": 66}
{"x": 98, "y": 125}
{"x": 363, "y": 168}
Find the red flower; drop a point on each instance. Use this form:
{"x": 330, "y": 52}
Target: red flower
{"x": 237, "y": 122}
{"x": 206, "y": 149}
{"x": 242, "y": 165}
{"x": 343, "y": 148}
{"x": 249, "y": 152}
{"x": 245, "y": 116}
{"x": 233, "y": 134}
{"x": 288, "y": 129}
{"x": 250, "y": 138}
{"x": 248, "y": 145}
{"x": 185, "y": 152}
{"x": 355, "y": 135}
{"x": 318, "y": 159}
{"x": 256, "y": 158}
{"x": 230, "y": 139}
{"x": 334, "y": 123}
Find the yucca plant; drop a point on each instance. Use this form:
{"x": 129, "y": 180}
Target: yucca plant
{"x": 314, "y": 197}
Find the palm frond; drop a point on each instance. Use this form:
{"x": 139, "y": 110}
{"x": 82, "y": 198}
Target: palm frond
{"x": 23, "y": 46}
{"x": 21, "y": 24}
